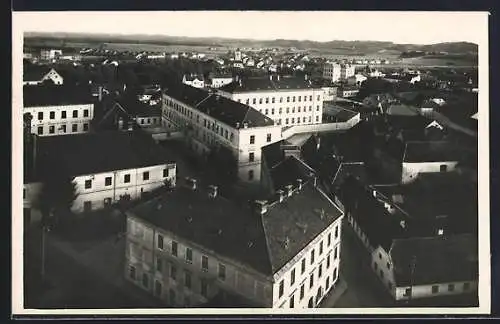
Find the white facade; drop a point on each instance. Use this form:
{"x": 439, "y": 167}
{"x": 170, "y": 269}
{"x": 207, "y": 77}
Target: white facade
{"x": 96, "y": 191}
{"x": 285, "y": 107}
{"x": 411, "y": 170}
{"x": 51, "y": 75}
{"x": 218, "y": 82}
{"x": 152, "y": 265}
{"x": 197, "y": 83}
{"x": 60, "y": 120}
{"x": 336, "y": 72}
{"x": 207, "y": 133}
{"x": 347, "y": 93}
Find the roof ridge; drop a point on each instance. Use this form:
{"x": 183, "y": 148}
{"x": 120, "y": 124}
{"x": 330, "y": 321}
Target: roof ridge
{"x": 268, "y": 248}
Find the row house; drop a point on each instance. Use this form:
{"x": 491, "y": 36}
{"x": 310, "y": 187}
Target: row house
{"x": 106, "y": 167}
{"x": 58, "y": 110}
{"x": 210, "y": 121}
{"x": 283, "y": 252}
{"x": 288, "y": 101}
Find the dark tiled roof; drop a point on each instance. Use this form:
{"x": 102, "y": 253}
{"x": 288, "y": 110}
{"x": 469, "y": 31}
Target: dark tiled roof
{"x": 266, "y": 84}
{"x": 431, "y": 151}
{"x": 35, "y": 72}
{"x": 238, "y": 231}
{"x": 48, "y": 95}
{"x": 288, "y": 171}
{"x": 139, "y": 109}
{"x": 225, "y": 110}
{"x": 89, "y": 153}
{"x": 435, "y": 260}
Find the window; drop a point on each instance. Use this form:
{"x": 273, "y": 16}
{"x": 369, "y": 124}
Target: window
{"x": 75, "y": 113}
{"x": 132, "y": 273}
{"x": 317, "y": 108}
{"x": 51, "y": 129}
{"x": 380, "y": 255}
{"x": 173, "y": 272}
{"x": 311, "y": 280}
{"x": 87, "y": 206}
{"x": 74, "y": 128}
{"x": 272, "y": 111}
{"x": 222, "y": 272}
{"x": 204, "y": 287}
{"x": 329, "y": 240}
{"x": 286, "y": 121}
{"x": 204, "y": 262}
{"x": 317, "y": 98}
{"x": 320, "y": 271}
{"x": 52, "y": 115}
{"x": 267, "y": 100}
{"x": 159, "y": 264}
{"x": 312, "y": 256}
{"x": 443, "y": 168}
{"x": 250, "y": 175}
{"x": 88, "y": 184}
{"x": 407, "y": 292}
{"x": 252, "y": 139}
{"x": 451, "y": 287}
{"x": 268, "y": 138}
{"x": 145, "y": 175}
{"x": 435, "y": 289}
{"x": 251, "y": 156}
{"x": 287, "y": 100}
{"x": 174, "y": 248}
{"x": 293, "y": 120}
{"x": 254, "y": 101}
{"x": 272, "y": 100}
{"x": 281, "y": 288}
{"x": 336, "y": 253}
{"x": 292, "y": 277}
{"x": 40, "y": 115}
{"x": 40, "y": 130}
{"x": 260, "y": 100}
{"x": 287, "y": 110}
{"x": 292, "y": 301}
{"x": 310, "y": 98}
{"x": 187, "y": 279}
{"x": 466, "y": 286}
{"x": 303, "y": 266}
{"x": 293, "y": 99}
{"x": 85, "y": 127}
{"x": 159, "y": 243}
{"x": 189, "y": 255}
{"x": 302, "y": 292}
{"x": 328, "y": 261}
{"x": 248, "y": 101}
{"x": 107, "y": 181}
{"x": 388, "y": 266}
{"x": 293, "y": 109}
{"x": 321, "y": 248}
{"x": 126, "y": 178}
{"x": 298, "y": 109}
{"x": 280, "y": 110}
{"x": 145, "y": 280}
{"x": 300, "y": 98}
{"x": 63, "y": 114}
{"x": 334, "y": 274}
{"x": 266, "y": 111}
{"x": 158, "y": 288}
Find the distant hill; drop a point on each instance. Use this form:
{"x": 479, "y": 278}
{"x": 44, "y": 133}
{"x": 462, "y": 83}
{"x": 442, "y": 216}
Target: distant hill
{"x": 358, "y": 46}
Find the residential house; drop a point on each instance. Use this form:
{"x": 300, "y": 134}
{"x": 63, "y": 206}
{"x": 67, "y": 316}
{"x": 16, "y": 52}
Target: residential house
{"x": 38, "y": 74}
{"x": 58, "y": 110}
{"x": 287, "y": 101}
{"x": 356, "y": 80}
{"x": 347, "y": 91}
{"x": 220, "y": 80}
{"x": 336, "y": 72}
{"x": 211, "y": 120}
{"x": 194, "y": 80}
{"x": 106, "y": 167}
{"x": 282, "y": 252}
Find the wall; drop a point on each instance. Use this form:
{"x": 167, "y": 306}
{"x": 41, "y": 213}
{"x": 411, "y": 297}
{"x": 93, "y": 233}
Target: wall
{"x": 143, "y": 252}
{"x": 425, "y": 291}
{"x": 58, "y": 122}
{"x": 411, "y": 170}
{"x": 324, "y": 127}
{"x": 382, "y": 266}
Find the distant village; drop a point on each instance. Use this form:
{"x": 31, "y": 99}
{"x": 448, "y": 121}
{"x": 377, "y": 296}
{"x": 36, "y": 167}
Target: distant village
{"x": 244, "y": 178}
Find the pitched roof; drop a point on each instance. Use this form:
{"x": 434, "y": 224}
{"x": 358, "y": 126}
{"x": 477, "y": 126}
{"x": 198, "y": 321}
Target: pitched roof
{"x": 230, "y": 112}
{"x": 238, "y": 231}
{"x": 56, "y": 95}
{"x": 33, "y": 72}
{"x": 288, "y": 171}
{"x": 251, "y": 84}
{"x": 435, "y": 259}
{"x": 140, "y": 109}
{"x": 89, "y": 153}
{"x": 431, "y": 151}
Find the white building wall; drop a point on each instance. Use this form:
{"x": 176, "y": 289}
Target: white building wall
{"x": 444, "y": 289}
{"x": 411, "y": 170}
{"x": 219, "y": 82}
{"x": 58, "y": 122}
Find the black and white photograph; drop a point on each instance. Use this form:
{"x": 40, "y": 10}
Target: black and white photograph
{"x": 250, "y": 162}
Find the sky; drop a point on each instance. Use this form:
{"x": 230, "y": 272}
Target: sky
{"x": 399, "y": 27}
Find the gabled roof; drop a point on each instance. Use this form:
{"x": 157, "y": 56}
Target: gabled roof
{"x": 227, "y": 111}
{"x": 251, "y": 84}
{"x": 56, "y": 95}
{"x": 90, "y": 153}
{"x": 238, "y": 231}
{"x": 435, "y": 260}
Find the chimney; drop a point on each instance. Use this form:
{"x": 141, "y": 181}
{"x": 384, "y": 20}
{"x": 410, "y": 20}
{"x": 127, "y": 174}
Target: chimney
{"x": 261, "y": 206}
{"x": 289, "y": 190}
{"x": 191, "y": 183}
{"x": 299, "y": 184}
{"x": 212, "y": 191}
{"x": 315, "y": 181}
{"x": 281, "y": 194}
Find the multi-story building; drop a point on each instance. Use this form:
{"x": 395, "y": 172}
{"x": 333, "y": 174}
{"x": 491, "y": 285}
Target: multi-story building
{"x": 337, "y": 72}
{"x": 211, "y": 120}
{"x": 283, "y": 252}
{"x": 58, "y": 110}
{"x": 106, "y": 167}
{"x": 220, "y": 80}
{"x": 287, "y": 101}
